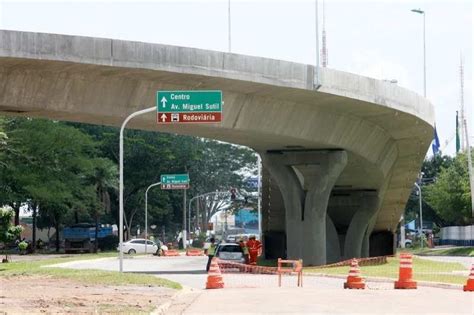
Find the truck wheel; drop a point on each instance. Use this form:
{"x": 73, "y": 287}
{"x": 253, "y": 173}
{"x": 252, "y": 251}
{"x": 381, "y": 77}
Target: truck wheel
{"x": 132, "y": 251}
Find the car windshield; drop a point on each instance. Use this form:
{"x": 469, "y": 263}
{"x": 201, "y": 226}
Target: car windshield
{"x": 230, "y": 249}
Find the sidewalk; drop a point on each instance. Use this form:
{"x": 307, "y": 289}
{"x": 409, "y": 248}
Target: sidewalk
{"x": 331, "y": 301}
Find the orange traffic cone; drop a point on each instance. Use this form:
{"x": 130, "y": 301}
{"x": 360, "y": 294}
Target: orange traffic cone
{"x": 470, "y": 281}
{"x": 214, "y": 277}
{"x": 405, "y": 280}
{"x": 354, "y": 280}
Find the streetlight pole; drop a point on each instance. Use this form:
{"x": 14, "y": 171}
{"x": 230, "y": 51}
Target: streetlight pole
{"x": 419, "y": 11}
{"x": 421, "y": 215}
{"x": 146, "y": 214}
{"x": 122, "y": 128}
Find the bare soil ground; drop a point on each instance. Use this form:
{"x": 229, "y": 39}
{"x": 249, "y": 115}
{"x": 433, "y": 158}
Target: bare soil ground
{"x": 44, "y": 295}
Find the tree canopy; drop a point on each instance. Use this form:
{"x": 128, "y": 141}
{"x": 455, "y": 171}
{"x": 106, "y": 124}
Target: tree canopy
{"x": 67, "y": 172}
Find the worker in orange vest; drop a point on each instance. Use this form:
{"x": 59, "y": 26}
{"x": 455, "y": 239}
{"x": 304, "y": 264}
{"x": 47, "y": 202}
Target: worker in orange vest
{"x": 255, "y": 249}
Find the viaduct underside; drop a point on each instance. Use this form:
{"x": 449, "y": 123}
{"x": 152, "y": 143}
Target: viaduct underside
{"x": 339, "y": 159}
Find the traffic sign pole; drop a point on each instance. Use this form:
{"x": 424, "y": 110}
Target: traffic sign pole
{"x": 184, "y": 220}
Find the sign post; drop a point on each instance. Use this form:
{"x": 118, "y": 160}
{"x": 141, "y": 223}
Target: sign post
{"x": 178, "y": 107}
{"x": 177, "y": 181}
{"x": 184, "y": 107}
{"x": 174, "y": 181}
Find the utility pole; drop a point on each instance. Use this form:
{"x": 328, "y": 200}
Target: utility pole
{"x": 466, "y": 136}
{"x": 317, "y": 81}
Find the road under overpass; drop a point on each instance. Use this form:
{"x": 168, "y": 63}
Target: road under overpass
{"x": 339, "y": 158}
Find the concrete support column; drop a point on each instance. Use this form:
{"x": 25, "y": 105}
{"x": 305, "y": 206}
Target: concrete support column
{"x": 305, "y": 180}
{"x": 357, "y": 232}
{"x": 293, "y": 198}
{"x": 333, "y": 249}
{"x": 365, "y": 252}
{"x": 320, "y": 183}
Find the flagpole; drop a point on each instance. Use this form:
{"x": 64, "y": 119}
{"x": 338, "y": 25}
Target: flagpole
{"x": 469, "y": 163}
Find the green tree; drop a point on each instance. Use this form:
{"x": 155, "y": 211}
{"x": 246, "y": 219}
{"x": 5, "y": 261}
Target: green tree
{"x": 8, "y": 232}
{"x": 48, "y": 166}
{"x": 450, "y": 195}
{"x": 431, "y": 169}
{"x": 212, "y": 165}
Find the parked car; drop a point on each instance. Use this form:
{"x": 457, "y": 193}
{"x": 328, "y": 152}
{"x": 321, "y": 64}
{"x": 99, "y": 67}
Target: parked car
{"x": 137, "y": 245}
{"x": 230, "y": 251}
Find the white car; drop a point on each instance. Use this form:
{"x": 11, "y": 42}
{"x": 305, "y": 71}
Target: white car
{"x": 137, "y": 245}
{"x": 230, "y": 251}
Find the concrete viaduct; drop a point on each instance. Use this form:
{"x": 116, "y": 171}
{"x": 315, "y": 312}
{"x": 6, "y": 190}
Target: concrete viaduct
{"x": 339, "y": 160}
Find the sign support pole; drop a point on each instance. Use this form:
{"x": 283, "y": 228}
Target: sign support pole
{"x": 120, "y": 228}
{"x": 184, "y": 220}
{"x": 146, "y": 214}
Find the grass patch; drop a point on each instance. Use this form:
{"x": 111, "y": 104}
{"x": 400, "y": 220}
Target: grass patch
{"x": 423, "y": 270}
{"x": 122, "y": 309}
{"x": 454, "y": 251}
{"x": 86, "y": 276}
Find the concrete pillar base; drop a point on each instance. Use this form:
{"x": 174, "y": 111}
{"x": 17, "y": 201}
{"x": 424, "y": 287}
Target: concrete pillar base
{"x": 359, "y": 225}
{"x": 305, "y": 180}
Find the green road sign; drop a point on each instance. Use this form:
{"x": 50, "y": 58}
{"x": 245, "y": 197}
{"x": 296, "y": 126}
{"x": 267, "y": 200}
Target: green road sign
{"x": 188, "y": 101}
{"x": 174, "y": 181}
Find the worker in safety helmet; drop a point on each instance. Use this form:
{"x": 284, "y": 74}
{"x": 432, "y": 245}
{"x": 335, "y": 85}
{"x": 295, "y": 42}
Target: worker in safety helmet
{"x": 255, "y": 249}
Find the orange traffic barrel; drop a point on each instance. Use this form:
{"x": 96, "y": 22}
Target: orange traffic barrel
{"x": 354, "y": 280}
{"x": 405, "y": 279}
{"x": 470, "y": 281}
{"x": 214, "y": 277}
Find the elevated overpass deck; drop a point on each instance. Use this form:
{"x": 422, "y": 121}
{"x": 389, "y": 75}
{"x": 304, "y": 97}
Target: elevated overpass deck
{"x": 351, "y": 148}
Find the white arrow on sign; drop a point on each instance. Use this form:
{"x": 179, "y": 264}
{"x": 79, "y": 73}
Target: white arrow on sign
{"x": 163, "y": 101}
{"x": 163, "y": 117}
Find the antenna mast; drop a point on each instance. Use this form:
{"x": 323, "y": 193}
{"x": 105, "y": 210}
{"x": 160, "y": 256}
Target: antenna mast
{"x": 324, "y": 51}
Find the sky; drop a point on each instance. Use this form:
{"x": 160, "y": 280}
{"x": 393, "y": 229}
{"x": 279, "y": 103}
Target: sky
{"x": 379, "y": 39}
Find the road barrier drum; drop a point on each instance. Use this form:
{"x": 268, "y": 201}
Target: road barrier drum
{"x": 354, "y": 280}
{"x": 171, "y": 252}
{"x": 214, "y": 276}
{"x": 470, "y": 281}
{"x": 405, "y": 279}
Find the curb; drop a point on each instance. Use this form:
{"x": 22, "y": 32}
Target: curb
{"x": 66, "y": 264}
{"x": 163, "y": 308}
